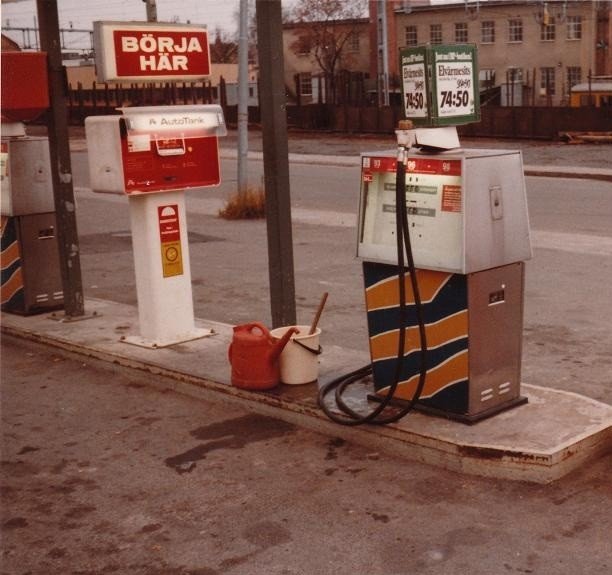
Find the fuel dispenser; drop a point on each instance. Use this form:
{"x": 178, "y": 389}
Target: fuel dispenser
{"x": 153, "y": 154}
{"x": 445, "y": 328}
{"x": 31, "y": 278}
{"x": 467, "y": 216}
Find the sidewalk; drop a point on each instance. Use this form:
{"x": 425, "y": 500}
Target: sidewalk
{"x": 554, "y": 433}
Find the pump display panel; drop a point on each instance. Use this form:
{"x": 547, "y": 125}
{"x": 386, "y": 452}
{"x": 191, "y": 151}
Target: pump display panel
{"x": 467, "y": 210}
{"x": 433, "y": 201}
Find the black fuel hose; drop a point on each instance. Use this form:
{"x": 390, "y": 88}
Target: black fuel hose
{"x": 380, "y": 415}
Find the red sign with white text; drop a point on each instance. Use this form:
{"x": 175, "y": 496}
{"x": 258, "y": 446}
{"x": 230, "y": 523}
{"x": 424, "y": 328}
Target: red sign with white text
{"x": 169, "y": 229}
{"x": 129, "y": 52}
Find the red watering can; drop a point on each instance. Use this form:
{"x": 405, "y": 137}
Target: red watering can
{"x": 254, "y": 355}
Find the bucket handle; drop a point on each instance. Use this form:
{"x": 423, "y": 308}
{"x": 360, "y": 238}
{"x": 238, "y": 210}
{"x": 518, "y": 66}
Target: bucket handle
{"x": 315, "y": 351}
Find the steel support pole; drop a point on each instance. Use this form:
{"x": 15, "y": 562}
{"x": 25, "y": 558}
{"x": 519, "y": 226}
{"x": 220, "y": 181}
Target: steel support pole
{"x": 151, "y": 10}
{"x": 276, "y": 161}
{"x": 61, "y": 168}
{"x": 243, "y": 98}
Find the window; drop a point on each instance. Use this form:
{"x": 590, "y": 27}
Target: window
{"x": 574, "y": 27}
{"x": 515, "y": 75}
{"x": 548, "y": 31}
{"x": 411, "y": 36}
{"x": 486, "y": 78}
{"x": 461, "y": 32}
{"x": 574, "y": 76}
{"x": 305, "y": 84}
{"x": 303, "y": 47}
{"x": 352, "y": 42}
{"x": 435, "y": 33}
{"x": 547, "y": 81}
{"x": 515, "y": 30}
{"x": 487, "y": 32}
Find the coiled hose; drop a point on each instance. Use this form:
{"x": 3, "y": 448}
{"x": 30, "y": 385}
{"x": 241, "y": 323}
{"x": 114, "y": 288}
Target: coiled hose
{"x": 385, "y": 413}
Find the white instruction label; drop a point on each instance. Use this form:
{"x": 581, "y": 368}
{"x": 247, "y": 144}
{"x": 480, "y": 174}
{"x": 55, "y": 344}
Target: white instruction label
{"x": 415, "y": 94}
{"x": 139, "y": 143}
{"x": 454, "y": 89}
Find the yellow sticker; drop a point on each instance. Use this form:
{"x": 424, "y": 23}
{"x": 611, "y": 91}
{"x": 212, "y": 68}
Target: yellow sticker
{"x": 172, "y": 259}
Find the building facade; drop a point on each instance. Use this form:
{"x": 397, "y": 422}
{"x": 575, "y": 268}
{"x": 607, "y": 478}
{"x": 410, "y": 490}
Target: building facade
{"x": 530, "y": 52}
{"x": 310, "y": 74}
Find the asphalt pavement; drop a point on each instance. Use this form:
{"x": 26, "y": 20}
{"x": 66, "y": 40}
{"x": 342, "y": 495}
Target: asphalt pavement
{"x": 108, "y": 470}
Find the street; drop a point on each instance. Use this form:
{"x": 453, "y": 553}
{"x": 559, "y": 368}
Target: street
{"x": 108, "y": 471}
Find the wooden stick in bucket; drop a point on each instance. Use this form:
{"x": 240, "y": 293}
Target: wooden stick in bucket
{"x": 313, "y": 327}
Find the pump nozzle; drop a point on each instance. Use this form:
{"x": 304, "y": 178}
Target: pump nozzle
{"x": 405, "y": 134}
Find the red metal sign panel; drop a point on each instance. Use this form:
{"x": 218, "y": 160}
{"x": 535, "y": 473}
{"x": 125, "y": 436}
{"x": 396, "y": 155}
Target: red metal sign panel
{"x": 435, "y": 167}
{"x": 24, "y": 89}
{"x": 451, "y": 198}
{"x": 130, "y": 52}
{"x": 378, "y": 164}
{"x": 157, "y": 164}
{"x": 169, "y": 229}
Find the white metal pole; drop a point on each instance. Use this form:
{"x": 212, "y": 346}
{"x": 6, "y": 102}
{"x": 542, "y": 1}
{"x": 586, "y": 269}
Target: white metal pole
{"x": 243, "y": 94}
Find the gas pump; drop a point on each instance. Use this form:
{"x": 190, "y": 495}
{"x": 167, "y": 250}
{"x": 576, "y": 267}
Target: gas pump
{"x": 31, "y": 278}
{"x": 153, "y": 154}
{"x": 445, "y": 329}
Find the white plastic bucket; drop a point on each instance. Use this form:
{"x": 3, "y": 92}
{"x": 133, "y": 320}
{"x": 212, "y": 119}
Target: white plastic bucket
{"x": 299, "y": 361}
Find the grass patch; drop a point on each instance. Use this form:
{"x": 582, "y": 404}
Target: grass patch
{"x": 250, "y": 205}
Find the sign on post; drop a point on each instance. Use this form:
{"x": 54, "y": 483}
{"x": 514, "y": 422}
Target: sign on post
{"x": 440, "y": 85}
{"x": 154, "y": 154}
{"x": 128, "y": 52}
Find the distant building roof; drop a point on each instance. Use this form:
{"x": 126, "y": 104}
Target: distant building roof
{"x": 595, "y": 86}
{"x": 9, "y": 45}
{"x": 310, "y": 23}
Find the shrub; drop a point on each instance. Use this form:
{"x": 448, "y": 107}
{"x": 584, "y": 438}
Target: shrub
{"x": 250, "y": 205}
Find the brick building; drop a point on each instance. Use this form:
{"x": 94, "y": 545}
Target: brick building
{"x": 529, "y": 52}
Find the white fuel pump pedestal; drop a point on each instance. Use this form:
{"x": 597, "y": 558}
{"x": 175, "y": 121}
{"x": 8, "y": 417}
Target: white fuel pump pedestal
{"x": 163, "y": 278}
{"x": 154, "y": 154}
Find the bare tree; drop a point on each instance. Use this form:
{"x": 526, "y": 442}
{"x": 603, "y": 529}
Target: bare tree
{"x": 326, "y": 28}
{"x": 223, "y": 50}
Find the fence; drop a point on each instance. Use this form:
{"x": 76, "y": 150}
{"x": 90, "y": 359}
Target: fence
{"x": 104, "y": 99}
{"x": 533, "y": 122}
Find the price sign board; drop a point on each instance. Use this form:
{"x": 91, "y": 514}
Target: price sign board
{"x": 440, "y": 84}
{"x": 414, "y": 82}
{"x": 150, "y": 52}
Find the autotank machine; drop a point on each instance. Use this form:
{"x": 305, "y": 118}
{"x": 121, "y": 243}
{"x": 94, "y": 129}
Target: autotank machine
{"x": 443, "y": 233}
